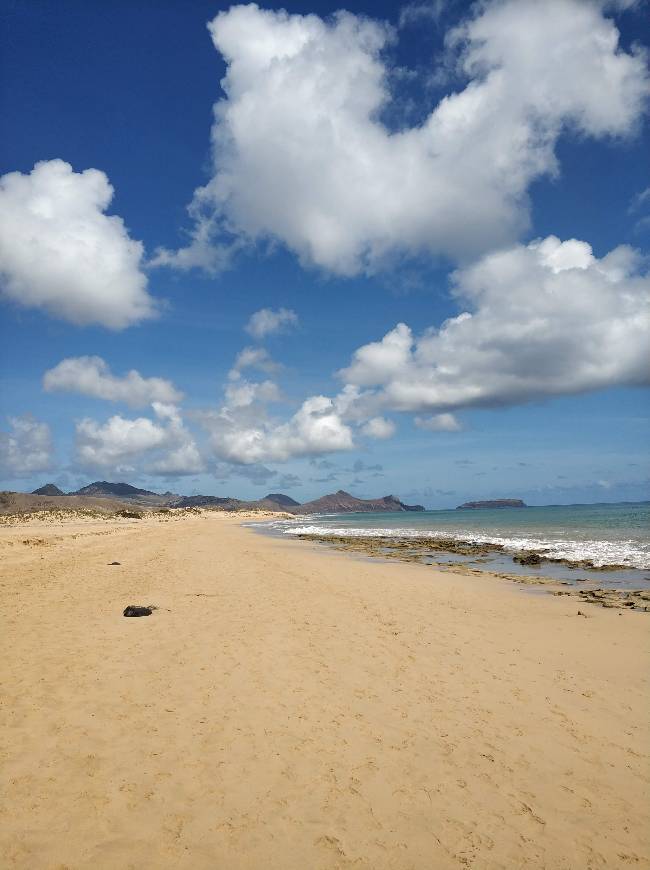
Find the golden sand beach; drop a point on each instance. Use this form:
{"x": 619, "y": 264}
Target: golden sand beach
{"x": 293, "y": 707}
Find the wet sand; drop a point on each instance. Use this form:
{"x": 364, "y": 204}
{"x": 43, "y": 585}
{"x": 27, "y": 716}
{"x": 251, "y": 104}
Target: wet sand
{"x": 465, "y": 558}
{"x": 289, "y": 706}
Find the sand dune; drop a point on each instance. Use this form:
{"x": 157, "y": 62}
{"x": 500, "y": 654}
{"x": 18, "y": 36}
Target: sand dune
{"x": 292, "y": 707}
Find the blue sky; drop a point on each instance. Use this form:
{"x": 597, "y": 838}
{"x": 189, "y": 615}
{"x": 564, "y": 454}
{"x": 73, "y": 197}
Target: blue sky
{"x": 394, "y": 165}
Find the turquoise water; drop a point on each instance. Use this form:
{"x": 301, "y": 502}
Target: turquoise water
{"x": 607, "y": 534}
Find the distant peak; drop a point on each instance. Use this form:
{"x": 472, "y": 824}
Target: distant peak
{"x": 104, "y": 487}
{"x": 281, "y": 499}
{"x": 48, "y": 489}
{"x": 343, "y": 502}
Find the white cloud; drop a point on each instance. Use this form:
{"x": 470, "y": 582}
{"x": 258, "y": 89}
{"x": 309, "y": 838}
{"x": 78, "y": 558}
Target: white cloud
{"x": 439, "y": 423}
{"x": 545, "y": 319}
{"x": 257, "y": 474}
{"x": 378, "y": 427}
{"x": 315, "y": 428}
{"x": 183, "y": 455}
{"x": 91, "y": 376}
{"x": 242, "y": 393}
{"x": 59, "y": 251}
{"x": 118, "y": 439}
{"x": 640, "y": 200}
{"x": 183, "y": 460}
{"x": 27, "y": 448}
{"x": 253, "y": 358}
{"x": 243, "y": 432}
{"x": 167, "y": 411}
{"x": 288, "y": 481}
{"x": 359, "y": 466}
{"x": 640, "y": 206}
{"x": 168, "y": 447}
{"x": 300, "y": 154}
{"x": 202, "y": 252}
{"x": 418, "y": 13}
{"x": 267, "y": 321}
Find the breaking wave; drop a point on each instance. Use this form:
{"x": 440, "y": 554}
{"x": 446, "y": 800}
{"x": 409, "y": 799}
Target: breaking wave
{"x": 631, "y": 553}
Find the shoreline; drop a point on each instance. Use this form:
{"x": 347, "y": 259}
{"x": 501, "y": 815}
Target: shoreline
{"x": 419, "y": 550}
{"x": 290, "y": 706}
{"x": 465, "y": 546}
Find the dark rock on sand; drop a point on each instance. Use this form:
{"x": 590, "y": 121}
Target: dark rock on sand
{"x": 114, "y": 563}
{"x": 137, "y": 610}
{"x": 129, "y": 515}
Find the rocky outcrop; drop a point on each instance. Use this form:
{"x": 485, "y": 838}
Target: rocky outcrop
{"x": 342, "y": 502}
{"x": 528, "y": 559}
{"x": 493, "y": 503}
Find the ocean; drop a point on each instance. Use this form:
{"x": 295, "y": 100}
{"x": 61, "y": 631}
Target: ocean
{"x": 605, "y": 534}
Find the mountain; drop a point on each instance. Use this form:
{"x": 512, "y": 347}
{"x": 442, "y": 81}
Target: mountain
{"x": 284, "y": 501}
{"x": 122, "y": 495}
{"x": 495, "y": 503}
{"x": 339, "y": 502}
{"x": 27, "y": 503}
{"x": 342, "y": 502}
{"x": 48, "y": 489}
{"x": 104, "y": 489}
{"x": 231, "y": 504}
{"x": 128, "y": 493}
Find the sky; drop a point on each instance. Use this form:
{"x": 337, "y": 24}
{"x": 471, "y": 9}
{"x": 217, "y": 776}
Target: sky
{"x": 386, "y": 248}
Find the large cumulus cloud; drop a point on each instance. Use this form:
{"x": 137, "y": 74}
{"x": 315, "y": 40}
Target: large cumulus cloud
{"x": 300, "y": 154}
{"x": 164, "y": 447}
{"x": 26, "y": 447}
{"x": 91, "y": 376}
{"x": 545, "y": 319}
{"x": 59, "y": 251}
{"x": 317, "y": 427}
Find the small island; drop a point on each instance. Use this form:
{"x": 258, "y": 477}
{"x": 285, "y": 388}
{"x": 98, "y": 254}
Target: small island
{"x": 494, "y": 503}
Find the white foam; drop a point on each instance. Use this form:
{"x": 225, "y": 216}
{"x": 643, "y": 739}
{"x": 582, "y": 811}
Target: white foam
{"x": 632, "y": 554}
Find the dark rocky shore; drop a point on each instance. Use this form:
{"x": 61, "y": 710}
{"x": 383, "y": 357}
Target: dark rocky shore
{"x": 432, "y": 551}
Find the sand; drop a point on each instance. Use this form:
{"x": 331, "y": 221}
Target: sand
{"x": 294, "y": 707}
